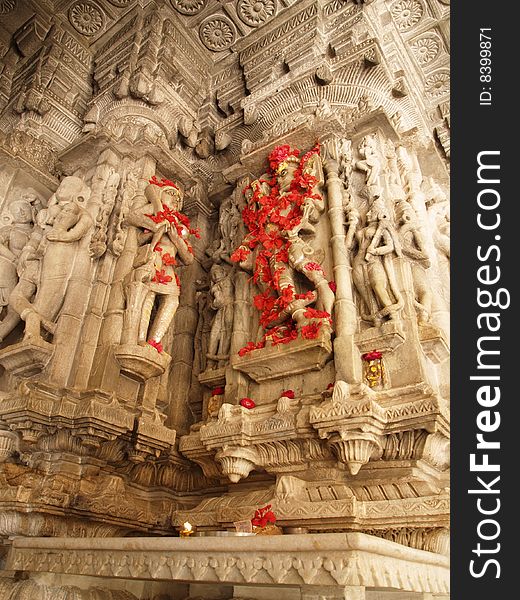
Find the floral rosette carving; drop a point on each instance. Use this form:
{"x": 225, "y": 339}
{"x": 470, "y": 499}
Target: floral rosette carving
{"x": 274, "y": 220}
{"x": 120, "y": 3}
{"x": 86, "y": 17}
{"x": 256, "y": 12}
{"x": 217, "y": 33}
{"x": 407, "y": 13}
{"x": 438, "y": 84}
{"x": 426, "y": 49}
{"x": 188, "y": 7}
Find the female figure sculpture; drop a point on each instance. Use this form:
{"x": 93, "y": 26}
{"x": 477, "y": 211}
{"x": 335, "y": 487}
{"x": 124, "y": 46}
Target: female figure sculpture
{"x": 414, "y": 248}
{"x": 13, "y": 239}
{"x": 222, "y": 291}
{"x": 162, "y": 237}
{"x": 372, "y": 268}
{"x": 56, "y": 252}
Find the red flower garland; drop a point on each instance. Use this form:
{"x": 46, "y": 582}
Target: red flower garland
{"x": 218, "y": 391}
{"x": 287, "y": 394}
{"x": 268, "y": 216}
{"x": 311, "y": 331}
{"x": 163, "y": 182}
{"x": 313, "y": 266}
{"x": 168, "y": 260}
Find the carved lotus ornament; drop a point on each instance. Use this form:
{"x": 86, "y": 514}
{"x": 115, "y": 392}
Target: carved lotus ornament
{"x": 438, "y": 84}
{"x": 188, "y": 7}
{"x": 217, "y": 33}
{"x": 256, "y": 12}
{"x": 407, "y": 13}
{"x": 86, "y": 17}
{"x": 425, "y": 49}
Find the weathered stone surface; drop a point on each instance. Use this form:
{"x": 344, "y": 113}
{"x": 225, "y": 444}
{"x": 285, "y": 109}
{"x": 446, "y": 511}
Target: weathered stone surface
{"x": 191, "y": 289}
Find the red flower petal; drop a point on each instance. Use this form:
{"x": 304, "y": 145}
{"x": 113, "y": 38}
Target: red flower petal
{"x": 374, "y": 355}
{"x": 157, "y": 345}
{"x": 247, "y": 403}
{"x": 310, "y": 332}
{"x": 161, "y": 277}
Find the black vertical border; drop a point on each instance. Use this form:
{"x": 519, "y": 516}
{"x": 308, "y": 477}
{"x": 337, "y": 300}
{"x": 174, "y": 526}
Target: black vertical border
{"x": 478, "y": 128}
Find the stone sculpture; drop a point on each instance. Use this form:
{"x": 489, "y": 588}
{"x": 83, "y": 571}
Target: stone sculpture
{"x": 46, "y": 262}
{"x": 372, "y": 272}
{"x": 222, "y": 291}
{"x": 413, "y": 246}
{"x": 280, "y": 210}
{"x": 351, "y": 218}
{"x": 162, "y": 237}
{"x": 13, "y": 239}
{"x": 102, "y": 434}
{"x": 57, "y": 250}
{"x": 371, "y": 165}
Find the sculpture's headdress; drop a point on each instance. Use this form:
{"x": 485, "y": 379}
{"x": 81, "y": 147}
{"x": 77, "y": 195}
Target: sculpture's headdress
{"x": 282, "y": 156}
{"x": 163, "y": 182}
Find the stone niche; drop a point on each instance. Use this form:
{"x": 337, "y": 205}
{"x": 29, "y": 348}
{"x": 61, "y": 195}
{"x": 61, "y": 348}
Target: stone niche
{"x": 224, "y": 286}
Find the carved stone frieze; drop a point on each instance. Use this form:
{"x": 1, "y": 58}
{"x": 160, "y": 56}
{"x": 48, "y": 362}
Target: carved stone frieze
{"x": 289, "y": 561}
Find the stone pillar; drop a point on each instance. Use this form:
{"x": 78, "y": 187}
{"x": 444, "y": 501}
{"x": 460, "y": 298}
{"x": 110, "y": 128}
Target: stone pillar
{"x": 345, "y": 315}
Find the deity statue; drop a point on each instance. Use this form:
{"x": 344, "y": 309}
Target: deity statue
{"x": 56, "y": 251}
{"x": 351, "y": 219}
{"x": 283, "y": 206}
{"x": 162, "y": 237}
{"x": 13, "y": 239}
{"x": 222, "y": 292}
{"x": 229, "y": 226}
{"x": 413, "y": 246}
{"x": 45, "y": 264}
{"x": 372, "y": 269}
{"x": 371, "y": 165}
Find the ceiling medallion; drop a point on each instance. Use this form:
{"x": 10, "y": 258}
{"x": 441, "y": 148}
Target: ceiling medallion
{"x": 438, "y": 84}
{"x": 86, "y": 17}
{"x": 426, "y": 49}
{"x": 256, "y": 12}
{"x": 407, "y": 13}
{"x": 217, "y": 33}
{"x": 188, "y": 7}
{"x": 120, "y": 3}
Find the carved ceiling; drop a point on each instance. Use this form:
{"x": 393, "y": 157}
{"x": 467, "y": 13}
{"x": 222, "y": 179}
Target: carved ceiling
{"x": 216, "y": 24}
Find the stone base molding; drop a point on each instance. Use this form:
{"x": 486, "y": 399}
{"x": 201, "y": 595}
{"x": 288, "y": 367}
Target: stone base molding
{"x": 332, "y": 559}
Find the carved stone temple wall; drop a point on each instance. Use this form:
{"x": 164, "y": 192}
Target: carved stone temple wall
{"x": 224, "y": 284}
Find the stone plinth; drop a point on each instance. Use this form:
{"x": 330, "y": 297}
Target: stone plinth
{"x": 141, "y": 362}
{"x": 27, "y": 358}
{"x": 274, "y": 362}
{"x": 331, "y": 559}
